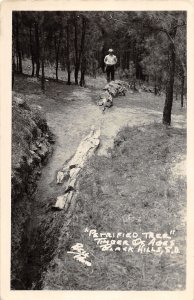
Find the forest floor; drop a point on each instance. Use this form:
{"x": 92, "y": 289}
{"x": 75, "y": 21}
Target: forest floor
{"x": 135, "y": 183}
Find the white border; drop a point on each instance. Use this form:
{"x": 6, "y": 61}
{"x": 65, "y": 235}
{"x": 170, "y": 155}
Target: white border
{"x": 5, "y": 90}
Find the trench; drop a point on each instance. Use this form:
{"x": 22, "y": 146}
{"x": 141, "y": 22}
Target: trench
{"x": 69, "y": 117}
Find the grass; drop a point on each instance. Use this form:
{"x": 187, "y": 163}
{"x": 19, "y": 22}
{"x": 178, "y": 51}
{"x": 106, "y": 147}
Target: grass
{"x": 135, "y": 190}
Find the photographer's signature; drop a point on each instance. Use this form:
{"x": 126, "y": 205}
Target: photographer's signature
{"x": 80, "y": 254}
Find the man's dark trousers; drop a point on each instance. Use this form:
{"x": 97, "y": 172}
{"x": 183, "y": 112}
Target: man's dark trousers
{"x": 110, "y": 71}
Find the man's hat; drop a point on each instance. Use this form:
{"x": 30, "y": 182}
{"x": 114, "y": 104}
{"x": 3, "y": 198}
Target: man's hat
{"x": 110, "y": 50}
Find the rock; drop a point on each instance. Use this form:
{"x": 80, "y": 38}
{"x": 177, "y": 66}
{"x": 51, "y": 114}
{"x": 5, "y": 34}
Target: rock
{"x": 122, "y": 194}
{"x": 33, "y": 148}
{"x": 38, "y": 144}
{"x": 51, "y": 140}
{"x": 30, "y": 161}
{"x": 37, "y": 157}
{"x": 36, "y": 107}
{"x": 32, "y": 152}
{"x": 19, "y": 101}
{"x": 43, "y": 151}
{"x": 17, "y": 166}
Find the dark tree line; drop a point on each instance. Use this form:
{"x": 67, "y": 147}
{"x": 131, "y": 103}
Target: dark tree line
{"x": 150, "y": 47}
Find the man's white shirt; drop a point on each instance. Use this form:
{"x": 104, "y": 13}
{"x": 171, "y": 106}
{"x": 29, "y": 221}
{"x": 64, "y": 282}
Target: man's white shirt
{"x": 110, "y": 60}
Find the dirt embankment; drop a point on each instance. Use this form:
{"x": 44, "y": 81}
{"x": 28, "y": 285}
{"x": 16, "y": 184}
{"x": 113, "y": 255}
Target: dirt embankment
{"x": 31, "y": 147}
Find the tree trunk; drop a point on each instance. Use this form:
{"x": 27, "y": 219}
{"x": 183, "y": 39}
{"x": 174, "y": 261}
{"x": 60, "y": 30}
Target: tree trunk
{"x": 57, "y": 49}
{"x": 43, "y": 76}
{"x": 13, "y": 66}
{"x": 155, "y": 85}
{"x": 103, "y": 52}
{"x": 78, "y": 55}
{"x": 82, "y": 78}
{"x": 169, "y": 88}
{"x": 127, "y": 64}
{"x": 33, "y": 68}
{"x": 18, "y": 50}
{"x": 42, "y": 61}
{"x": 56, "y": 58}
{"x": 20, "y": 62}
{"x": 17, "y": 64}
{"x": 68, "y": 56}
{"x": 76, "y": 51}
{"x": 170, "y": 81}
{"x": 83, "y": 70}
{"x": 12, "y": 75}
{"x": 119, "y": 59}
{"x": 76, "y": 74}
{"x": 106, "y": 38}
{"x": 81, "y": 53}
{"x": 31, "y": 51}
{"x": 57, "y": 65}
{"x": 37, "y": 50}
{"x": 182, "y": 90}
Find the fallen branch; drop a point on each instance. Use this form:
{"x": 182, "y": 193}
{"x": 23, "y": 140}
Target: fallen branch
{"x": 84, "y": 151}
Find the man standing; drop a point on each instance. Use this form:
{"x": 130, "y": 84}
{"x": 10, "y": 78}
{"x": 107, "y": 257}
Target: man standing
{"x": 110, "y": 60}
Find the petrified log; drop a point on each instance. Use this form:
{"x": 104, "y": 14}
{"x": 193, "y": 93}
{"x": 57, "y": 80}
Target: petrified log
{"x": 105, "y": 100}
{"x": 112, "y": 89}
{"x": 84, "y": 151}
{"x": 116, "y": 88}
